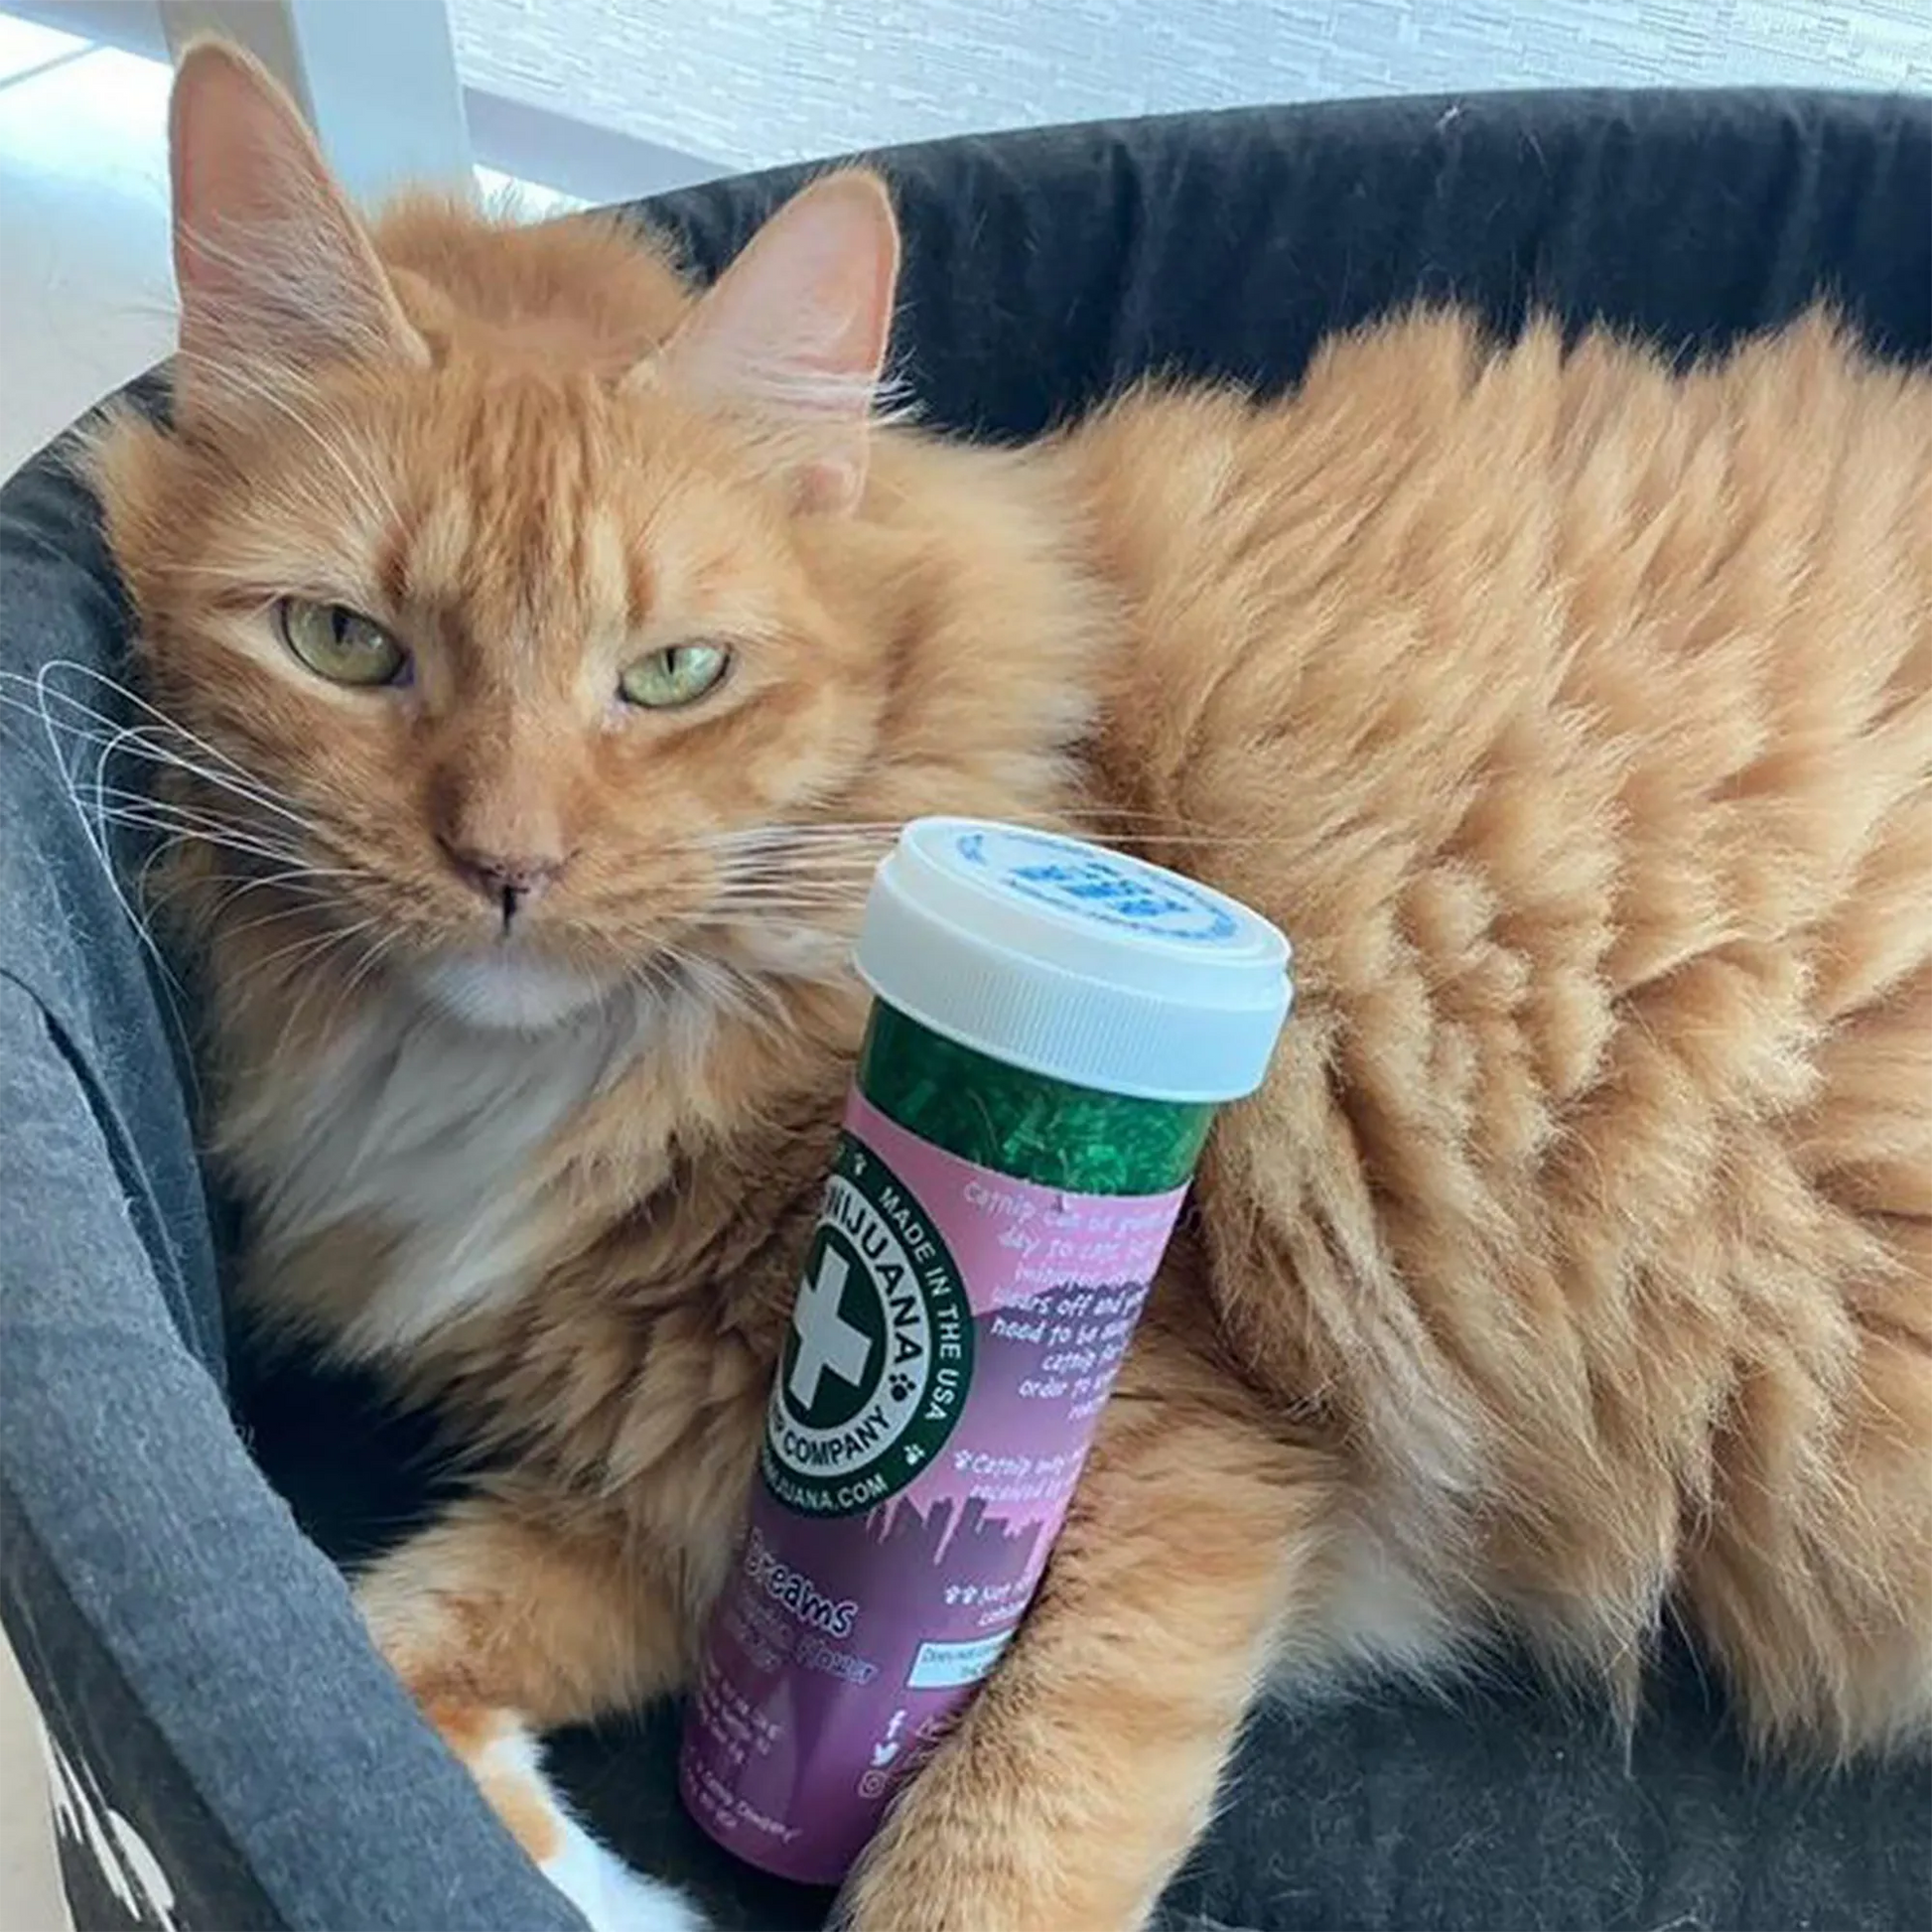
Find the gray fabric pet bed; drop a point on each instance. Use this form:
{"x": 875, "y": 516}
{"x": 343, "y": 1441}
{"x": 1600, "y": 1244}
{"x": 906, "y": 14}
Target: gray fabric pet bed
{"x": 229, "y": 1752}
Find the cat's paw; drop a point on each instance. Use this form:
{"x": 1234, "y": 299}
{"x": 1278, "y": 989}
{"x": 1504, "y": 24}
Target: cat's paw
{"x": 612, "y": 1896}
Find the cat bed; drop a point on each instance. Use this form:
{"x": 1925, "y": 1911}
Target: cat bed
{"x": 226, "y": 1750}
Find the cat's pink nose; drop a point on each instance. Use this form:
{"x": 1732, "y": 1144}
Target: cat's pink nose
{"x": 509, "y": 881}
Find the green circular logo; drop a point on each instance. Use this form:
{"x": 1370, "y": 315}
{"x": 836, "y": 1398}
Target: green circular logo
{"x": 880, "y": 1353}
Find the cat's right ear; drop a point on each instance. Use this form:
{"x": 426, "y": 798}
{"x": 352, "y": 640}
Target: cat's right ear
{"x": 793, "y": 334}
{"x": 274, "y": 269}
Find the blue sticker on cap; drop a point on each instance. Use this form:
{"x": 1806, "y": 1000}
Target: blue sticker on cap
{"x": 1096, "y": 885}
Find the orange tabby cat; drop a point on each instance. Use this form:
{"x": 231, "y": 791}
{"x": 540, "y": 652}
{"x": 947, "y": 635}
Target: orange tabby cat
{"x": 559, "y": 646}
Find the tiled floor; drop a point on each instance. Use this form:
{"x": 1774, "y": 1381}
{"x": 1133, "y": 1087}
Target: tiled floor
{"x": 85, "y": 299}
{"x": 31, "y": 1894}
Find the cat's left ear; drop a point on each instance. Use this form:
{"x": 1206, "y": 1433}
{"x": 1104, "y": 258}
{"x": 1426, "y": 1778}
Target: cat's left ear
{"x": 275, "y": 270}
{"x": 793, "y": 334}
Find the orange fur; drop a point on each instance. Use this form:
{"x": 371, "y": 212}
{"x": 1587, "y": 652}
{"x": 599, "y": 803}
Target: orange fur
{"x": 1574, "y": 714}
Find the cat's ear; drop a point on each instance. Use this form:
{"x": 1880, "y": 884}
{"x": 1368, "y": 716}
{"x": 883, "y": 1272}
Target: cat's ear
{"x": 272, "y": 265}
{"x": 794, "y": 332}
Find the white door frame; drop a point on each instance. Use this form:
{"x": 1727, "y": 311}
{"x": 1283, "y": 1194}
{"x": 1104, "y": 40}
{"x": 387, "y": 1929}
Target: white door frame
{"x": 376, "y": 78}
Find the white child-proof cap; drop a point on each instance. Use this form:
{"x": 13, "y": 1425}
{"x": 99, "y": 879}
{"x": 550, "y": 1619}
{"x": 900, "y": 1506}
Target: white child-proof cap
{"x": 1075, "y": 962}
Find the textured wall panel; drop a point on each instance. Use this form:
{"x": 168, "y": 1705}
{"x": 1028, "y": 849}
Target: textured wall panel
{"x": 753, "y": 81}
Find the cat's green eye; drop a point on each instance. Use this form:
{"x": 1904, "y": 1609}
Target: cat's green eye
{"x": 338, "y": 644}
{"x": 677, "y": 676}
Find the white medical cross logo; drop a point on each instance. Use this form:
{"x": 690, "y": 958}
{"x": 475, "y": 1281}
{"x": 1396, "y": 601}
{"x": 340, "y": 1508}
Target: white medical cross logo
{"x": 826, "y": 1339}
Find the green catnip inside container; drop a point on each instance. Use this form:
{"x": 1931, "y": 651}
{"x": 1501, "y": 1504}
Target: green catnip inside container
{"x": 1054, "y": 1028}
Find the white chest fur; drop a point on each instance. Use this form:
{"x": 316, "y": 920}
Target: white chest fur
{"x": 424, "y": 1131}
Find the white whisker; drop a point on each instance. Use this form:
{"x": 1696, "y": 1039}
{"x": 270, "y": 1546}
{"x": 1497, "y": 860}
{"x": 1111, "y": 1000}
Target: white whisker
{"x": 116, "y": 736}
{"x": 96, "y": 837}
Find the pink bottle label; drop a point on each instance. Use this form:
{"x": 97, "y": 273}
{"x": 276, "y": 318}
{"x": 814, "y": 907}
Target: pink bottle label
{"x": 955, "y": 1337}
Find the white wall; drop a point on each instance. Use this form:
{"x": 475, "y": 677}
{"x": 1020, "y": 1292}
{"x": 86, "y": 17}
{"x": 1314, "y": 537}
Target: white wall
{"x": 753, "y": 81}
